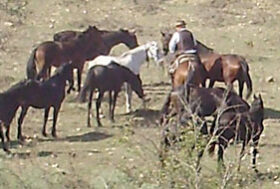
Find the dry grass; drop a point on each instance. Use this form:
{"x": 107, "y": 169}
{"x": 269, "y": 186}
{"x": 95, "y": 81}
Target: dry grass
{"x": 123, "y": 155}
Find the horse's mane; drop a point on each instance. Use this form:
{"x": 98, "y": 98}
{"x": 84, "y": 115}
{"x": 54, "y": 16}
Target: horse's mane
{"x": 131, "y": 51}
{"x": 201, "y": 45}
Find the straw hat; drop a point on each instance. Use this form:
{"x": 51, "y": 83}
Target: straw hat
{"x": 180, "y": 23}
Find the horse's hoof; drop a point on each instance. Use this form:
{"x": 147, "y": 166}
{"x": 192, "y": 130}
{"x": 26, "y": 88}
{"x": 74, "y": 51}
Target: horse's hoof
{"x": 22, "y": 141}
{"x": 7, "y": 150}
{"x": 44, "y": 134}
{"x": 54, "y": 134}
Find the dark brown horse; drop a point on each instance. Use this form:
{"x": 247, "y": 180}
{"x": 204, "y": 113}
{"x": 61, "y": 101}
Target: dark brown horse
{"x": 108, "y": 78}
{"x": 226, "y": 67}
{"x": 10, "y": 101}
{"x": 47, "y": 94}
{"x": 110, "y": 38}
{"x": 187, "y": 100}
{"x": 86, "y": 46}
{"x": 244, "y": 127}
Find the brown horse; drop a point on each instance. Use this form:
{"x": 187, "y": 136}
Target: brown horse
{"x": 243, "y": 127}
{"x": 225, "y": 68}
{"x": 86, "y": 46}
{"x": 188, "y": 68}
{"x": 110, "y": 38}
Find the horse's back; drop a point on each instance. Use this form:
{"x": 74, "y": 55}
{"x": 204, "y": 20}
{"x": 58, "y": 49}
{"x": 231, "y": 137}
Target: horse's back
{"x": 101, "y": 60}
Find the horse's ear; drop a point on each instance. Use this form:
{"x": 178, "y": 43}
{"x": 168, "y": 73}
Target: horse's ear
{"x": 133, "y": 31}
{"x": 260, "y": 96}
{"x": 123, "y": 29}
{"x": 255, "y": 97}
{"x": 162, "y": 33}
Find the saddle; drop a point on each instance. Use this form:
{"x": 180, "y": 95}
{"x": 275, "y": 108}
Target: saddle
{"x": 180, "y": 58}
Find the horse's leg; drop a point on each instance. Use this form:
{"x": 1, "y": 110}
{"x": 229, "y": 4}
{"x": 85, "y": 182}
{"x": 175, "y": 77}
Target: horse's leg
{"x": 110, "y": 106}
{"x": 79, "y": 76}
{"x": 128, "y": 96}
{"x": 222, "y": 147}
{"x": 211, "y": 83}
{"x": 55, "y": 114}
{"x": 255, "y": 152}
{"x": 47, "y": 110}
{"x": 98, "y": 103}
{"x": 241, "y": 154}
{"x": 241, "y": 86}
{"x": 114, "y": 104}
{"x": 8, "y": 133}
{"x": 89, "y": 108}
{"x": 2, "y": 136}
{"x": 20, "y": 120}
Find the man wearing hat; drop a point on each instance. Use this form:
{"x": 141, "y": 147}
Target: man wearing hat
{"x": 182, "y": 40}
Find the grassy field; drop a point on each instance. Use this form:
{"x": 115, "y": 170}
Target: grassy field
{"x": 125, "y": 154}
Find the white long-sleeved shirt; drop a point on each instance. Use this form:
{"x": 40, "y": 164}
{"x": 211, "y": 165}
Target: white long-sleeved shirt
{"x": 175, "y": 40}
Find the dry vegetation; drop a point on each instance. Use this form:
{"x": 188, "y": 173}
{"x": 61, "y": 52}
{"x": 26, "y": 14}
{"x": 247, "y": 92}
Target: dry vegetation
{"x": 125, "y": 154}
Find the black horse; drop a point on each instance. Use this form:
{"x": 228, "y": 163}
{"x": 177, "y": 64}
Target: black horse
{"x": 108, "y": 78}
{"x": 10, "y": 101}
{"x": 243, "y": 127}
{"x": 47, "y": 94}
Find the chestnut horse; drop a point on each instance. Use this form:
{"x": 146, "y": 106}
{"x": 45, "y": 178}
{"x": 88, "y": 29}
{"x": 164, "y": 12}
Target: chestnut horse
{"x": 220, "y": 67}
{"x": 86, "y": 46}
{"x": 110, "y": 38}
{"x": 187, "y": 68}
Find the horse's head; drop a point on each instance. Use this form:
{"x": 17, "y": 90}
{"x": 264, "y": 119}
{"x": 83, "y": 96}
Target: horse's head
{"x": 165, "y": 38}
{"x": 93, "y": 42}
{"x": 129, "y": 38}
{"x": 136, "y": 86}
{"x": 66, "y": 71}
{"x": 153, "y": 51}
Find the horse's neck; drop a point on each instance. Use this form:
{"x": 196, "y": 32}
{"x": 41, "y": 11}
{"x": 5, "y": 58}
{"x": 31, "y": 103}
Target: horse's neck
{"x": 203, "y": 49}
{"x": 57, "y": 80}
{"x": 113, "y": 38}
{"x": 256, "y": 115}
{"x": 134, "y": 58}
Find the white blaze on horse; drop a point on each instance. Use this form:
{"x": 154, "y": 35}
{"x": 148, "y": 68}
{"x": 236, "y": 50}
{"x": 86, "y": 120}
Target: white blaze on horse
{"x": 132, "y": 59}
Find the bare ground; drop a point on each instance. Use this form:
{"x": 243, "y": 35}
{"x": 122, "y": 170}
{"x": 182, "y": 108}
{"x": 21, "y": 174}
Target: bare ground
{"x": 124, "y": 154}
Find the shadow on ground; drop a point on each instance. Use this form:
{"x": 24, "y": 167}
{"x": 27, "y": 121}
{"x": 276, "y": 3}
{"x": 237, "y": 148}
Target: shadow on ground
{"x": 271, "y": 113}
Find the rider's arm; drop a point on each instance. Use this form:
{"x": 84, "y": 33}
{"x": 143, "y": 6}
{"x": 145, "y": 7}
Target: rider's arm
{"x": 173, "y": 42}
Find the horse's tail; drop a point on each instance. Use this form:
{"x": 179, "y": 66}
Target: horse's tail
{"x": 86, "y": 87}
{"x": 246, "y": 77}
{"x": 211, "y": 148}
{"x": 31, "y": 67}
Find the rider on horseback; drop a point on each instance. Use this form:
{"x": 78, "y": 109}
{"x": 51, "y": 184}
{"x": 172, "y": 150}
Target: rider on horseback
{"x": 182, "y": 40}
{"x": 182, "y": 44}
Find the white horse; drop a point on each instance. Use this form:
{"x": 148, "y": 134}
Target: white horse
{"x": 132, "y": 59}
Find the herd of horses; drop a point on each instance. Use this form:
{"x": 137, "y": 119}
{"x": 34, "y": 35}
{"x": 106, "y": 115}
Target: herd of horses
{"x": 234, "y": 118}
